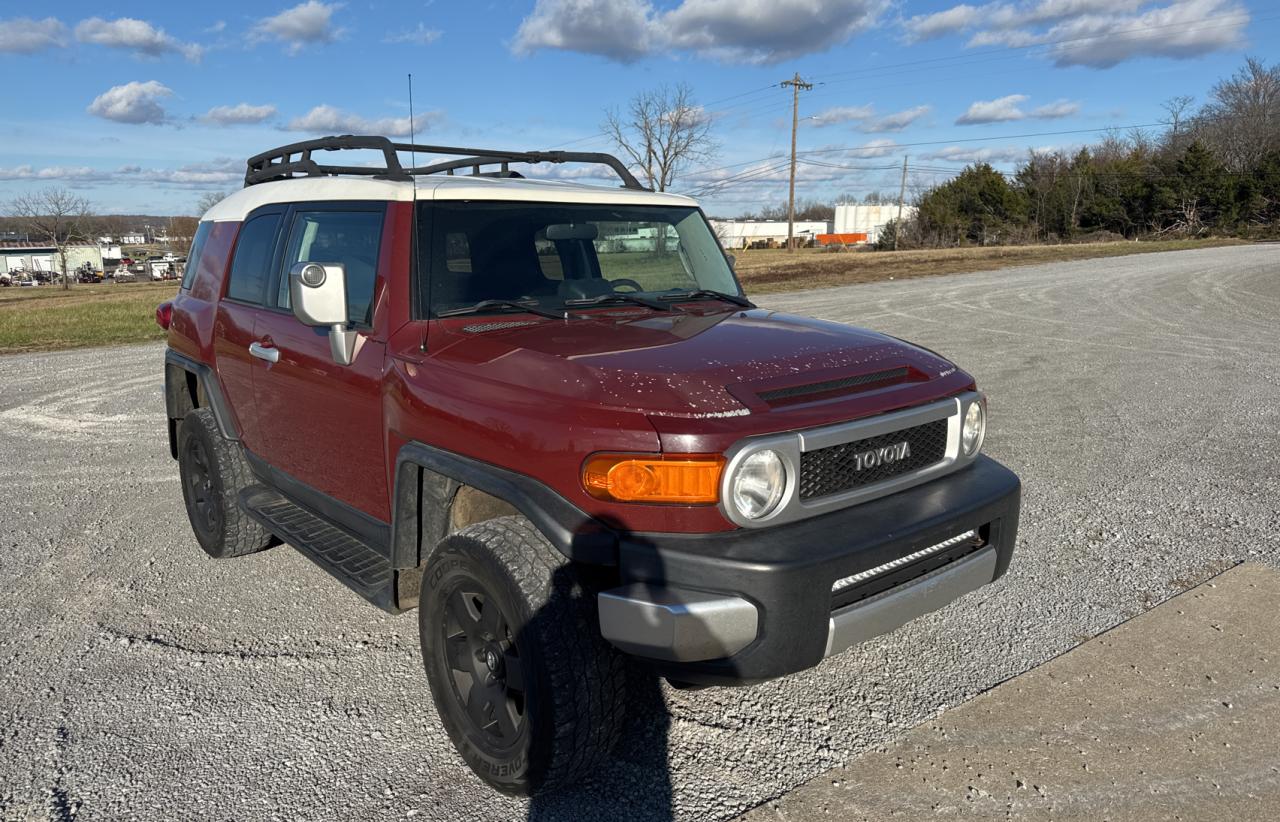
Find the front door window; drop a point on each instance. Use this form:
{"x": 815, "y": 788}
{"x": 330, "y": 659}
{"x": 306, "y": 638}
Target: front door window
{"x": 347, "y": 237}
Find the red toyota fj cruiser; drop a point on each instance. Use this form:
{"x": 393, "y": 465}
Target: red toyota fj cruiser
{"x": 546, "y": 415}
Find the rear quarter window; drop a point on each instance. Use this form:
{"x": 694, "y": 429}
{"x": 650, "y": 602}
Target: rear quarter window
{"x": 193, "y": 256}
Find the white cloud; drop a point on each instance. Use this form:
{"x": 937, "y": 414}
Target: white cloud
{"x": 137, "y": 36}
{"x": 841, "y": 114}
{"x": 746, "y": 31}
{"x": 23, "y": 35}
{"x": 309, "y": 23}
{"x": 52, "y": 173}
{"x": 866, "y": 119}
{"x": 969, "y": 154}
{"x": 766, "y": 31}
{"x": 1095, "y": 33}
{"x": 214, "y": 174}
{"x": 897, "y": 121}
{"x": 132, "y": 103}
{"x": 618, "y": 29}
{"x": 1056, "y": 110}
{"x": 876, "y": 148}
{"x": 954, "y": 19}
{"x": 1000, "y": 110}
{"x": 211, "y": 175}
{"x": 240, "y": 114}
{"x": 325, "y": 119}
{"x": 420, "y": 35}
{"x": 1181, "y": 30}
{"x": 1009, "y": 108}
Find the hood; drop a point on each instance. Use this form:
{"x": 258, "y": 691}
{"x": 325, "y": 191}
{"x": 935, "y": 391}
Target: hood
{"x": 695, "y": 364}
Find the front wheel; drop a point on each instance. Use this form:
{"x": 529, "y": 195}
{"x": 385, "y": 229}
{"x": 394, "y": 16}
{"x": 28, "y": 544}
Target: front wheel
{"x": 529, "y": 692}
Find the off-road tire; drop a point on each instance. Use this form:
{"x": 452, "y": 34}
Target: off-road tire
{"x": 213, "y": 472}
{"x": 574, "y": 682}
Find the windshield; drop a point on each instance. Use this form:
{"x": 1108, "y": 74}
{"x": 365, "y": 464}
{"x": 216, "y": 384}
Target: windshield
{"x": 550, "y": 255}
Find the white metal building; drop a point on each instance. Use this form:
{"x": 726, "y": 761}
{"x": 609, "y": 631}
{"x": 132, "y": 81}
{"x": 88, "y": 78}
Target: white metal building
{"x": 858, "y": 218}
{"x": 18, "y": 256}
{"x": 739, "y": 234}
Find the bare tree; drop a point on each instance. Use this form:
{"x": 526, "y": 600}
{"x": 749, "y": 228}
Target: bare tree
{"x": 209, "y": 200}
{"x": 182, "y": 229}
{"x": 110, "y": 225}
{"x": 55, "y": 216}
{"x": 1241, "y": 121}
{"x": 660, "y": 133}
{"x": 1177, "y": 108}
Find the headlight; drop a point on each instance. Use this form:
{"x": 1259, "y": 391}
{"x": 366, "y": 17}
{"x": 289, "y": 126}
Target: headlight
{"x": 974, "y": 429}
{"x": 758, "y": 484}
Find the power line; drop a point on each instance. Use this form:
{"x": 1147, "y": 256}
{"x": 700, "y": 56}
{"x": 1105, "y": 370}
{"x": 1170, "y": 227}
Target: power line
{"x": 926, "y": 64}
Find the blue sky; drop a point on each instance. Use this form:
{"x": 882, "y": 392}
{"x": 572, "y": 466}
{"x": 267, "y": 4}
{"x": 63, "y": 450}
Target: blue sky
{"x": 145, "y": 106}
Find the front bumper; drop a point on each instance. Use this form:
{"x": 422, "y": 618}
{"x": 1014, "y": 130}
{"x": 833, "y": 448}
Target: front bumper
{"x": 749, "y": 605}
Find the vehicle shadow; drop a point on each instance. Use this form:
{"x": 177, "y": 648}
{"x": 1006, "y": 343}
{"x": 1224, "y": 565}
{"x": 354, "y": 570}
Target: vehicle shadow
{"x": 635, "y": 783}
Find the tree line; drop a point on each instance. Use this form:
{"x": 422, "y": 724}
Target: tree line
{"x": 1211, "y": 171}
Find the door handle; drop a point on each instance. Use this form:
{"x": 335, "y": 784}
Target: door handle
{"x": 262, "y": 352}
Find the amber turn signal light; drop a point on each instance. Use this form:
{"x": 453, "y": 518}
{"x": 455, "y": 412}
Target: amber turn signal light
{"x": 690, "y": 479}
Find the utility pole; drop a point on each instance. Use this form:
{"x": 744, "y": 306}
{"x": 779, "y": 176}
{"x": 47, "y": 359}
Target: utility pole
{"x": 796, "y": 86}
{"x": 902, "y": 195}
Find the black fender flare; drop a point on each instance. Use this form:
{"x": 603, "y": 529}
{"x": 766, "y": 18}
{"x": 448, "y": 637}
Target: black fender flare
{"x": 433, "y": 475}
{"x": 178, "y": 398}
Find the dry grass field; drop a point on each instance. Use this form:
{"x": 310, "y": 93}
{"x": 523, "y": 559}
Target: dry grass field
{"x": 774, "y": 270}
{"x": 48, "y": 318}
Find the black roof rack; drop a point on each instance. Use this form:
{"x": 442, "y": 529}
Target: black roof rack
{"x": 294, "y": 160}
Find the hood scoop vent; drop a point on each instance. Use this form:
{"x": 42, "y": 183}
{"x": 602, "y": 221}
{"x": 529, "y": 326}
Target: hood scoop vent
{"x": 838, "y": 387}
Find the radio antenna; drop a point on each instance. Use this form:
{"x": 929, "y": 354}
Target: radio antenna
{"x": 413, "y": 234}
{"x": 413, "y": 154}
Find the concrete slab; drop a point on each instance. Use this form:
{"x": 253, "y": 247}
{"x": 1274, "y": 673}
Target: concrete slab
{"x": 1174, "y": 715}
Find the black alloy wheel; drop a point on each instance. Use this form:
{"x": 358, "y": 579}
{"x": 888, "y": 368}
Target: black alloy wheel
{"x": 531, "y": 695}
{"x": 483, "y": 661}
{"x": 206, "y": 513}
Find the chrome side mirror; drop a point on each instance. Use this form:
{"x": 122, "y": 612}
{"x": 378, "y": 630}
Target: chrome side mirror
{"x": 318, "y": 294}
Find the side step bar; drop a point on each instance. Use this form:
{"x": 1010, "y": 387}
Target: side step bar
{"x": 358, "y": 566}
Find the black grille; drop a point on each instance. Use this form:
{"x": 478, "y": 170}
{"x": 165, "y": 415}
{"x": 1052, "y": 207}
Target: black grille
{"x": 874, "y": 379}
{"x": 844, "y": 467}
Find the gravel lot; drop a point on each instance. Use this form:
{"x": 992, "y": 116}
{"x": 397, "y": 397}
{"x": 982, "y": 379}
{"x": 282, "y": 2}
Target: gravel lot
{"x": 1138, "y": 398}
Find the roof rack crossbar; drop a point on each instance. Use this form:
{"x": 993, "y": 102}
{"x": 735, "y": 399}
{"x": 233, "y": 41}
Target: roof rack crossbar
{"x": 295, "y": 160}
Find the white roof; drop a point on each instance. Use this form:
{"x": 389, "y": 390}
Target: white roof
{"x": 433, "y": 187}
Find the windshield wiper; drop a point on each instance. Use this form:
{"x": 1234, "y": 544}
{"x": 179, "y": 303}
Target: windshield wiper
{"x": 693, "y": 294}
{"x": 621, "y": 297}
{"x": 530, "y": 306}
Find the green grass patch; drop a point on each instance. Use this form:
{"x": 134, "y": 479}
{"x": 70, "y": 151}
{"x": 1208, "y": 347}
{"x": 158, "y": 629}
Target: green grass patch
{"x": 49, "y": 318}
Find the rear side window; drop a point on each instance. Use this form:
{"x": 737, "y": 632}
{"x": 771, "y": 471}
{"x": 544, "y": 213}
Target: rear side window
{"x": 251, "y": 264}
{"x": 193, "y": 257}
{"x": 347, "y": 237}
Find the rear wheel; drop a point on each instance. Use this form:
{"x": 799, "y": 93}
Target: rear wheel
{"x": 213, "y": 473}
{"x": 530, "y": 693}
